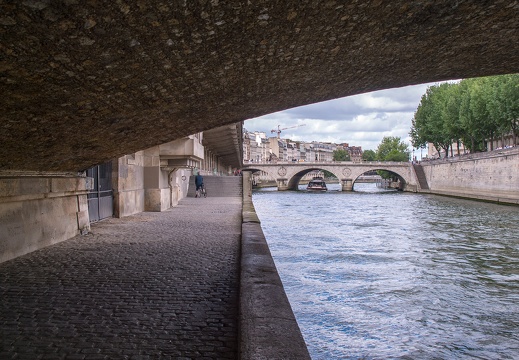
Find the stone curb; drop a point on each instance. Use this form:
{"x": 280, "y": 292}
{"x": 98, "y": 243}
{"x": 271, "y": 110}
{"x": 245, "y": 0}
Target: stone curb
{"x": 268, "y": 328}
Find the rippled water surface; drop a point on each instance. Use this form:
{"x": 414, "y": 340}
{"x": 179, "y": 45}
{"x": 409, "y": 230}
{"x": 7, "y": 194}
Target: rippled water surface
{"x": 376, "y": 275}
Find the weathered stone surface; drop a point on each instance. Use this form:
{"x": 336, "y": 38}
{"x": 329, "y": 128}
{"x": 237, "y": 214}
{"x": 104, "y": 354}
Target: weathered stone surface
{"x": 486, "y": 176}
{"x": 268, "y": 327}
{"x": 38, "y": 212}
{"x": 84, "y": 82}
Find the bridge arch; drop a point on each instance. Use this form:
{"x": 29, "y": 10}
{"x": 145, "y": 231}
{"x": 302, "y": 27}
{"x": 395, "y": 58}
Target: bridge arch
{"x": 403, "y": 174}
{"x": 288, "y": 175}
{"x": 293, "y": 182}
{"x": 261, "y": 172}
{"x": 402, "y": 182}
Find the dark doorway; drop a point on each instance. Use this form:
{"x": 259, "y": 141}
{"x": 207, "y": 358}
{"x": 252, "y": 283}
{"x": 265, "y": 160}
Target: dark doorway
{"x": 100, "y": 199}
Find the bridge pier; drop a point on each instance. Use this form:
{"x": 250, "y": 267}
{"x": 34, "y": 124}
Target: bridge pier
{"x": 347, "y": 184}
{"x": 282, "y": 184}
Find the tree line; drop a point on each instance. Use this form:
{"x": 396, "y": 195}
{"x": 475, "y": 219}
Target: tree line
{"x": 473, "y": 112}
{"x": 391, "y": 148}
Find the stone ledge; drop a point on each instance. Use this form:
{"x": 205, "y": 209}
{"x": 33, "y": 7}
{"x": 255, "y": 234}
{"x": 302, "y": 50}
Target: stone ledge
{"x": 480, "y": 197}
{"x": 38, "y": 188}
{"x": 268, "y": 327}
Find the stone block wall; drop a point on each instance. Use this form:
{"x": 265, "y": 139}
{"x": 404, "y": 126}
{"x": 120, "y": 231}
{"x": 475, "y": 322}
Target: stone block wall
{"x": 489, "y": 176}
{"x": 38, "y": 211}
{"x": 128, "y": 185}
{"x": 179, "y": 183}
{"x": 140, "y": 184}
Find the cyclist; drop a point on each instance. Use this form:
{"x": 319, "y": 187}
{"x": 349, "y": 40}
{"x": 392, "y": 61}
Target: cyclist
{"x": 199, "y": 183}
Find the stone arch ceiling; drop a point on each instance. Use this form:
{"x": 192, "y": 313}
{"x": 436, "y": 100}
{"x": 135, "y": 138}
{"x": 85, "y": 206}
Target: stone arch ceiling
{"x": 86, "y": 81}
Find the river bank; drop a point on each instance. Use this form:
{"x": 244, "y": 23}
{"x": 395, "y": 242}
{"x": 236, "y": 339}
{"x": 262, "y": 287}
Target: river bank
{"x": 491, "y": 176}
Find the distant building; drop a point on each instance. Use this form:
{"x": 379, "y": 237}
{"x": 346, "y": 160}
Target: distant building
{"x": 355, "y": 153}
{"x": 433, "y": 153}
{"x": 323, "y": 151}
{"x": 258, "y": 148}
{"x": 502, "y": 142}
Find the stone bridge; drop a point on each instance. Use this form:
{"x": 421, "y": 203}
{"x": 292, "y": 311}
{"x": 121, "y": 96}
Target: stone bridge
{"x": 288, "y": 174}
{"x": 84, "y": 82}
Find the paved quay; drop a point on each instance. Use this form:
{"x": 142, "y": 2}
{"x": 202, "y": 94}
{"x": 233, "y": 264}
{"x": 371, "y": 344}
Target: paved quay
{"x": 149, "y": 286}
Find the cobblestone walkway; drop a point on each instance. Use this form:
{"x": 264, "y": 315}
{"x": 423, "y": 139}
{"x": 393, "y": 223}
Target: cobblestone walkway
{"x": 150, "y": 286}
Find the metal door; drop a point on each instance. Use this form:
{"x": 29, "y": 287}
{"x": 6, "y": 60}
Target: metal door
{"x": 100, "y": 199}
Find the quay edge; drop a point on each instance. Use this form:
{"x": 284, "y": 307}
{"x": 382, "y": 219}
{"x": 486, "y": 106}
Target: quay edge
{"x": 268, "y": 327}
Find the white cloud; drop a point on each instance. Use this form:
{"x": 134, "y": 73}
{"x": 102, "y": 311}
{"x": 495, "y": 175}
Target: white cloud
{"x": 360, "y": 120}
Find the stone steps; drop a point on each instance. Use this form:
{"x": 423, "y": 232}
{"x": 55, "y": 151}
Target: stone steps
{"x": 420, "y": 175}
{"x": 218, "y": 186}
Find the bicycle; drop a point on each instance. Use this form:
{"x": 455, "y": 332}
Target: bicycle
{"x": 201, "y": 192}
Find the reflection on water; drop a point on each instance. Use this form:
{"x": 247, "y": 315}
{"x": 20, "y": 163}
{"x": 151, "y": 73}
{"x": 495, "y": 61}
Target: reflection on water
{"x": 379, "y": 274}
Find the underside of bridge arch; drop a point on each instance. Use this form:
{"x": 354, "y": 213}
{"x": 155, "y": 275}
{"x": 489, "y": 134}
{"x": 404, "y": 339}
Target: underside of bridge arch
{"x": 399, "y": 180}
{"x": 260, "y": 173}
{"x": 87, "y": 81}
{"x": 293, "y": 182}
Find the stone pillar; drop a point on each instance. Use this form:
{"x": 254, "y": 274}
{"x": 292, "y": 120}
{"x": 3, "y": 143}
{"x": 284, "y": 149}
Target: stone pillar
{"x": 347, "y": 184}
{"x": 157, "y": 194}
{"x": 282, "y": 184}
{"x": 247, "y": 184}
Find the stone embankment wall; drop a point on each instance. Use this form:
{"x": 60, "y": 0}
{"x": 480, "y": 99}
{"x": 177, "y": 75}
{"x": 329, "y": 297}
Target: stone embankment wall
{"x": 41, "y": 210}
{"x": 492, "y": 176}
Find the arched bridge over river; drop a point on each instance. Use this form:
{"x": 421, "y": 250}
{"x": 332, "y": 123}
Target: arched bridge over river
{"x": 288, "y": 174}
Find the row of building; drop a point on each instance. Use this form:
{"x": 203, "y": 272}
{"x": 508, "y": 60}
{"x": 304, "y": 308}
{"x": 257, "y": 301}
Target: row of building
{"x": 257, "y": 147}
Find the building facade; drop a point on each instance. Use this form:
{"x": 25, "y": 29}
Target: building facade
{"x": 258, "y": 148}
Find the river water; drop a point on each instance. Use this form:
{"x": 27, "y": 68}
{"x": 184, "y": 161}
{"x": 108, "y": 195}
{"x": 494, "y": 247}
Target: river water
{"x": 378, "y": 274}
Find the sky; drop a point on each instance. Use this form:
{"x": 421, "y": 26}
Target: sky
{"x": 359, "y": 120}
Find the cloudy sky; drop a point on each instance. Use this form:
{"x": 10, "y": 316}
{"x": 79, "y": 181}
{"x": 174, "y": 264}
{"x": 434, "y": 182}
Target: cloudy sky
{"x": 360, "y": 120}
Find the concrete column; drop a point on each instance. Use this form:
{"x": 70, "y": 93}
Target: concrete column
{"x": 347, "y": 184}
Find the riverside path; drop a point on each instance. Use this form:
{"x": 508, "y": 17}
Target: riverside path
{"x": 153, "y": 285}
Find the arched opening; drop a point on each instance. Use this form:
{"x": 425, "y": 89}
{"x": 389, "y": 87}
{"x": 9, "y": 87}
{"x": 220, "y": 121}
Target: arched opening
{"x": 376, "y": 179}
{"x": 260, "y": 178}
{"x": 305, "y": 176}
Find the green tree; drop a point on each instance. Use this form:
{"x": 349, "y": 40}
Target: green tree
{"x": 503, "y": 105}
{"x": 473, "y": 115}
{"x": 474, "y": 111}
{"x": 369, "y": 155}
{"x": 452, "y": 126}
{"x": 392, "y": 149}
{"x": 428, "y": 120}
{"x": 341, "y": 155}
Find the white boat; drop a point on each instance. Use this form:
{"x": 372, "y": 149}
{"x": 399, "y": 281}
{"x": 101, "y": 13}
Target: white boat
{"x": 317, "y": 184}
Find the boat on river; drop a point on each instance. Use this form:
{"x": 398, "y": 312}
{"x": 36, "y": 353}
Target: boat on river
{"x": 316, "y": 184}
